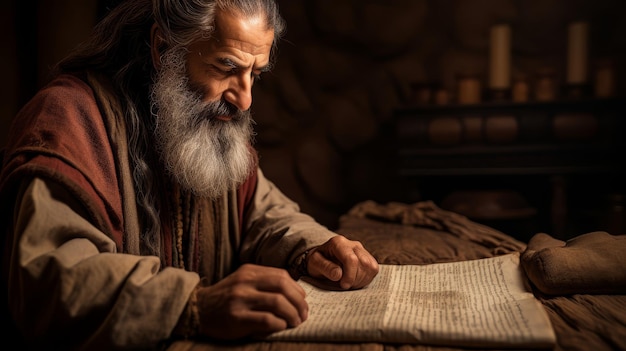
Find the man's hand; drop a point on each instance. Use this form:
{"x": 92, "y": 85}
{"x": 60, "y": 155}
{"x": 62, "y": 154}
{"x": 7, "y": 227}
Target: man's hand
{"x": 254, "y": 301}
{"x": 343, "y": 262}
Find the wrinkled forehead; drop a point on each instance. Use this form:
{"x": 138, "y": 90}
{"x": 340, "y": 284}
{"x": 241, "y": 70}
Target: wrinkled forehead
{"x": 240, "y": 36}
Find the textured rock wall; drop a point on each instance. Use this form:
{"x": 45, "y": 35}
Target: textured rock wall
{"x": 325, "y": 114}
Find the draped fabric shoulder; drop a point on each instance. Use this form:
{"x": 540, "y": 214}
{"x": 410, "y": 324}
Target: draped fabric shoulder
{"x": 60, "y": 135}
{"x": 114, "y": 121}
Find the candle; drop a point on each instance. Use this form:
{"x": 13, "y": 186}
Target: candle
{"x": 500, "y": 57}
{"x": 604, "y": 82}
{"x": 468, "y": 90}
{"x": 577, "y": 53}
{"x": 519, "y": 92}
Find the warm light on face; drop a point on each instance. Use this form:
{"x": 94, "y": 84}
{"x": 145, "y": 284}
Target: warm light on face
{"x": 225, "y": 66}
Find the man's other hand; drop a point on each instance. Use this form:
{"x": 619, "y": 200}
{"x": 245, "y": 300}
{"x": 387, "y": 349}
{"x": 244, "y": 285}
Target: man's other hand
{"x": 252, "y": 302}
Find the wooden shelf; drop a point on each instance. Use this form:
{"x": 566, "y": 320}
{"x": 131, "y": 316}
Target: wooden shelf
{"x": 556, "y": 106}
{"x": 550, "y": 141}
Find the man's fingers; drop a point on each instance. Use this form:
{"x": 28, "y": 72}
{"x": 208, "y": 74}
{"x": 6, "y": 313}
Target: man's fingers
{"x": 259, "y": 324}
{"x": 342, "y": 251}
{"x": 343, "y": 261}
{"x": 278, "y": 305}
{"x": 321, "y": 267}
{"x": 368, "y": 268}
{"x": 285, "y": 291}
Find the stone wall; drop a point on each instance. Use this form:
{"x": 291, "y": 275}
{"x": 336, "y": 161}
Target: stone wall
{"x": 325, "y": 114}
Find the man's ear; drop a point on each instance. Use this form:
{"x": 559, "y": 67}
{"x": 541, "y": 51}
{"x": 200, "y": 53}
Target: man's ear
{"x": 156, "y": 45}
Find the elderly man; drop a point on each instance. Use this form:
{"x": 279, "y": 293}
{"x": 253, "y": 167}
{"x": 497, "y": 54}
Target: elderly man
{"x": 133, "y": 207}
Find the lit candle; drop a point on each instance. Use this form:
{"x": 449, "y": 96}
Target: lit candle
{"x": 577, "y": 53}
{"x": 500, "y": 57}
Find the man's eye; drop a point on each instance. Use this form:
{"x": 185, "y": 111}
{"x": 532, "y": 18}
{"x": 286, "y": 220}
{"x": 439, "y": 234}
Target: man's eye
{"x": 255, "y": 76}
{"x": 221, "y": 71}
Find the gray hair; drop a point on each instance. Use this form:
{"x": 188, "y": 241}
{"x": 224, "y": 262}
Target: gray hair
{"x": 119, "y": 48}
{"x": 182, "y": 24}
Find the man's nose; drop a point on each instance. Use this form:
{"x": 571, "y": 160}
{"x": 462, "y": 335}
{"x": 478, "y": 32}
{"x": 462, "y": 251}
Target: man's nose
{"x": 239, "y": 92}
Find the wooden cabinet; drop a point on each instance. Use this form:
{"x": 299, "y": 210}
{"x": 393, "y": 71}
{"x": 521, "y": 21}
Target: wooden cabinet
{"x": 562, "y": 156}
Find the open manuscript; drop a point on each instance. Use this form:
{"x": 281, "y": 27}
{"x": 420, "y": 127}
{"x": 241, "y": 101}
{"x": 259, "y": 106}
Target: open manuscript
{"x": 477, "y": 303}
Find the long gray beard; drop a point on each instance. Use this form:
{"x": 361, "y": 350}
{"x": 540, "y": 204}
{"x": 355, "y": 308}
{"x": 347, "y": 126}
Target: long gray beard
{"x": 205, "y": 155}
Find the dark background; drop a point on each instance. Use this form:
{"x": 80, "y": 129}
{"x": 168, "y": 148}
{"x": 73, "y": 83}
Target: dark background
{"x": 327, "y": 115}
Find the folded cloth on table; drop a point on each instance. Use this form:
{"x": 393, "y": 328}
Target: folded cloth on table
{"x": 591, "y": 263}
{"x": 427, "y": 214}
